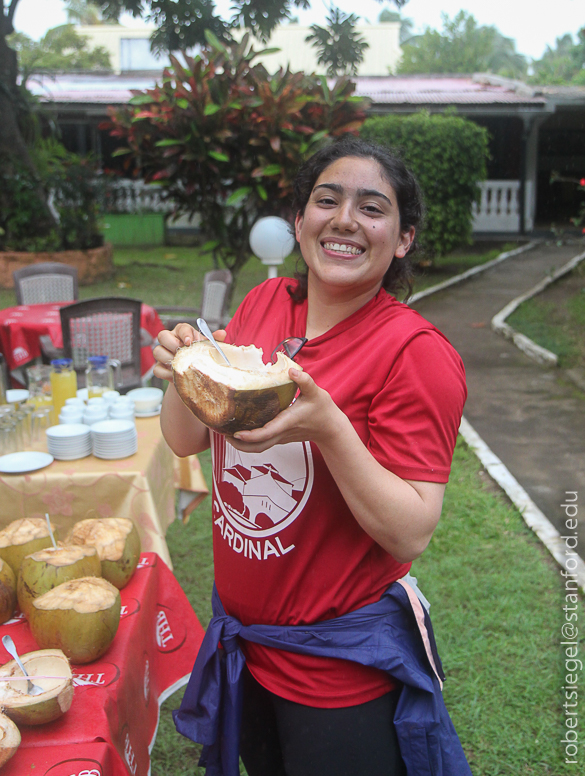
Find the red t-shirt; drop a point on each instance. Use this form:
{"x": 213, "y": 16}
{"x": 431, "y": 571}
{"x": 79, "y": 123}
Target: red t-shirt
{"x": 287, "y": 549}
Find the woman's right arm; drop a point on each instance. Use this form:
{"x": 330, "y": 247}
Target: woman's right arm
{"x": 184, "y": 433}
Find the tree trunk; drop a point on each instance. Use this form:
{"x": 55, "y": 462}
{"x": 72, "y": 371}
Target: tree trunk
{"x": 12, "y": 145}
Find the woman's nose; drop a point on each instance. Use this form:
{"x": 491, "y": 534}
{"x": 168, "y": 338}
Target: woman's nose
{"x": 344, "y": 218}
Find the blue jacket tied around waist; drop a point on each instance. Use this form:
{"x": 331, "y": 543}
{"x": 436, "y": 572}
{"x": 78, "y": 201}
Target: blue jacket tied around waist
{"x": 394, "y": 635}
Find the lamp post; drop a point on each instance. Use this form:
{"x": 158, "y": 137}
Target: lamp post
{"x": 271, "y": 241}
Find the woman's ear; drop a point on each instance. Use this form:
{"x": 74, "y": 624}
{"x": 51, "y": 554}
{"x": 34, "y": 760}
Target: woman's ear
{"x": 298, "y": 226}
{"x": 406, "y": 240}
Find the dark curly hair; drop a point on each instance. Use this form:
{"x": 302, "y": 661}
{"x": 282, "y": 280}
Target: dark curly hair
{"x": 399, "y": 276}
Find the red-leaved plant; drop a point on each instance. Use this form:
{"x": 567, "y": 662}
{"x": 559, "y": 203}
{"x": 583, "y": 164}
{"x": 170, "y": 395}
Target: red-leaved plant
{"x": 224, "y": 138}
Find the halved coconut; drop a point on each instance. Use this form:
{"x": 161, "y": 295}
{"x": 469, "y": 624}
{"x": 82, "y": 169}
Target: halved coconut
{"x": 21, "y": 537}
{"x": 47, "y": 668}
{"x": 9, "y": 739}
{"x": 7, "y": 591}
{"x": 80, "y": 617}
{"x": 117, "y": 543}
{"x": 239, "y": 397}
{"x": 45, "y": 569}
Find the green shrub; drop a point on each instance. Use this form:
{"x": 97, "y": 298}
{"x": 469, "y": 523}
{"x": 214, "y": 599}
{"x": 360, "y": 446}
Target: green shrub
{"x": 448, "y": 155}
{"x": 69, "y": 182}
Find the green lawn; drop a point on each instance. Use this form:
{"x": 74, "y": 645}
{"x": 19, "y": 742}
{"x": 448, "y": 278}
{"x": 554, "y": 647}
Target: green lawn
{"x": 496, "y": 608}
{"x": 168, "y": 275}
{"x": 555, "y": 319}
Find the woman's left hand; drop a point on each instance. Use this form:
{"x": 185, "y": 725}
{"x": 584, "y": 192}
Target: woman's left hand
{"x": 308, "y": 419}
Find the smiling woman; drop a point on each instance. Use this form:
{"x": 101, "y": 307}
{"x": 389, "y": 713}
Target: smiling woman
{"x": 318, "y": 514}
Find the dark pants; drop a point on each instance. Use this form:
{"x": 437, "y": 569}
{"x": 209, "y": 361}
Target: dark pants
{"x": 283, "y": 738}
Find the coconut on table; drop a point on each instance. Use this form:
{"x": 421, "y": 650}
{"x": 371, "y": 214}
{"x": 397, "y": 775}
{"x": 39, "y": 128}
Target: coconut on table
{"x": 43, "y": 570}
{"x": 80, "y": 617}
{"x": 22, "y": 537}
{"x": 240, "y": 397}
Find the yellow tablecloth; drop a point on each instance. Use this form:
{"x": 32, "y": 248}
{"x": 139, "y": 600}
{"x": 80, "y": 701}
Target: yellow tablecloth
{"x": 141, "y": 487}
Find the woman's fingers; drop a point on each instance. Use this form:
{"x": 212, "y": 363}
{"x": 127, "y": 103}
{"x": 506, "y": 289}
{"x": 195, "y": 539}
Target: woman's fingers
{"x": 159, "y": 370}
{"x": 170, "y": 341}
{"x": 186, "y": 334}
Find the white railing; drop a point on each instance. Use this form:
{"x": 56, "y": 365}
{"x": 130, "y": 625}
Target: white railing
{"x": 499, "y": 207}
{"x": 125, "y": 196}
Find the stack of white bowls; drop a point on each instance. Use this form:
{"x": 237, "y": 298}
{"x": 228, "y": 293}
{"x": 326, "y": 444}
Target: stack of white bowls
{"x": 147, "y": 400}
{"x": 95, "y": 411}
{"x": 122, "y": 409}
{"x": 72, "y": 411}
{"x": 69, "y": 441}
{"x": 114, "y": 439}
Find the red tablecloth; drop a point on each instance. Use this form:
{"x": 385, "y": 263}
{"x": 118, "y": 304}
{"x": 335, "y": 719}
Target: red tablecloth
{"x": 114, "y": 715}
{"x": 21, "y": 327}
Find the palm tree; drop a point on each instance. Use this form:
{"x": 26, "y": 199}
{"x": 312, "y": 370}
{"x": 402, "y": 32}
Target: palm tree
{"x": 84, "y": 12}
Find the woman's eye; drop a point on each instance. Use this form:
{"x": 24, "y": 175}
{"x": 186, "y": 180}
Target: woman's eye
{"x": 372, "y": 209}
{"x": 326, "y": 201}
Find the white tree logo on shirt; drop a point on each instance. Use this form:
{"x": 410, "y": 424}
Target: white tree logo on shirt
{"x": 260, "y": 494}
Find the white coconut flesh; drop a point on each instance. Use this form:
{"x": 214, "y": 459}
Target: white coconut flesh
{"x": 23, "y": 531}
{"x": 62, "y": 556}
{"x": 85, "y": 595}
{"x": 247, "y": 370}
{"x": 108, "y": 536}
{"x": 49, "y": 669}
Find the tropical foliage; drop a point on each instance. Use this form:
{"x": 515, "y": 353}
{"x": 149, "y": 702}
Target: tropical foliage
{"x": 341, "y": 48}
{"x": 61, "y": 50}
{"x": 462, "y": 47}
{"x": 181, "y": 24}
{"x": 448, "y": 155}
{"x": 223, "y": 138}
{"x": 563, "y": 64}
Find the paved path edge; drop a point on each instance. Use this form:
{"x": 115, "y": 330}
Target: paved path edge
{"x": 534, "y": 518}
{"x": 532, "y": 515}
{"x": 536, "y": 352}
{"x": 473, "y": 271}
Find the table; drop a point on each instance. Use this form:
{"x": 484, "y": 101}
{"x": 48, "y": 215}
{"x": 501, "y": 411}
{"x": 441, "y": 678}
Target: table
{"x": 141, "y": 487}
{"x": 21, "y": 327}
{"x": 111, "y": 726}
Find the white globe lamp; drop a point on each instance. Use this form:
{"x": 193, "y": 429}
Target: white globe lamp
{"x": 271, "y": 241}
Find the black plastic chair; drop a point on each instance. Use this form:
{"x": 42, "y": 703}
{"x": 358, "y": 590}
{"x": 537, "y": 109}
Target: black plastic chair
{"x": 45, "y": 283}
{"x": 107, "y": 326}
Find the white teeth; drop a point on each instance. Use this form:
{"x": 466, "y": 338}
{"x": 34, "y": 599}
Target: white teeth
{"x": 350, "y": 249}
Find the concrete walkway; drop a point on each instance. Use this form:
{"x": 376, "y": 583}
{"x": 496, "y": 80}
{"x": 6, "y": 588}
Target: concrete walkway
{"x": 532, "y": 418}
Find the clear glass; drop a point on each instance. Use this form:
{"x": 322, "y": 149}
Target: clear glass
{"x": 42, "y": 419}
{"x": 63, "y": 384}
{"x": 7, "y": 435}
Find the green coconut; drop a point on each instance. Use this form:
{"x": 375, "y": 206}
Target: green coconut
{"x": 9, "y": 739}
{"x": 7, "y": 591}
{"x": 48, "y": 669}
{"x": 117, "y": 543}
{"x": 45, "y": 569}
{"x": 240, "y": 397}
{"x": 80, "y": 617}
{"x": 22, "y": 537}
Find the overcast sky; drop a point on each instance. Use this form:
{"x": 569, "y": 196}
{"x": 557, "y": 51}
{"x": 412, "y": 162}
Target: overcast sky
{"x": 532, "y": 29}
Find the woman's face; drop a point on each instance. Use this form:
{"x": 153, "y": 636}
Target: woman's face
{"x": 350, "y": 230}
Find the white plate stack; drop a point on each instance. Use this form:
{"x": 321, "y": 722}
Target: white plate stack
{"x": 69, "y": 441}
{"x": 114, "y": 439}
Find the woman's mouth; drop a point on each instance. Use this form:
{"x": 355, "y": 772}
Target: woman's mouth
{"x": 343, "y": 249}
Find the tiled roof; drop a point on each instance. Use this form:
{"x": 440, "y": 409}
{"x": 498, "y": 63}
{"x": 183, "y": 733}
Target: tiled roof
{"x": 444, "y": 90}
{"x": 389, "y": 90}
